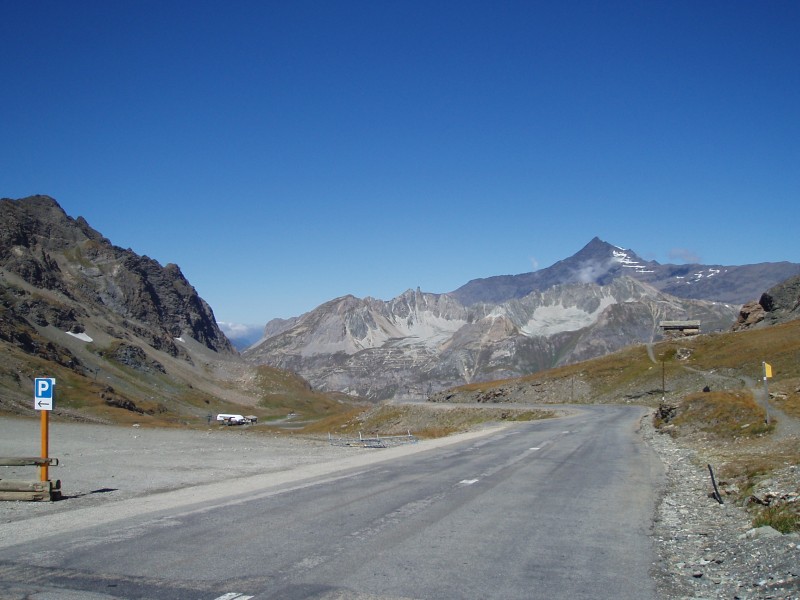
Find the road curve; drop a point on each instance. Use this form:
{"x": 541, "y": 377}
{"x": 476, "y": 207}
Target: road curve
{"x": 551, "y": 509}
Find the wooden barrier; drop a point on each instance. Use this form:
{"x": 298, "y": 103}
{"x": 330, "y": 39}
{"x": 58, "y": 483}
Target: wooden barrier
{"x": 13, "y": 489}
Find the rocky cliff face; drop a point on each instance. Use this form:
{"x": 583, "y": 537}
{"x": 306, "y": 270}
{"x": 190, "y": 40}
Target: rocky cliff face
{"x": 115, "y": 325}
{"x": 778, "y": 304}
{"x": 419, "y": 343}
{"x": 44, "y": 250}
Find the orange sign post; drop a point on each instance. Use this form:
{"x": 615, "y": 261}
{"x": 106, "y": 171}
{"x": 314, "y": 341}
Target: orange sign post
{"x": 44, "y": 389}
{"x": 44, "y": 475}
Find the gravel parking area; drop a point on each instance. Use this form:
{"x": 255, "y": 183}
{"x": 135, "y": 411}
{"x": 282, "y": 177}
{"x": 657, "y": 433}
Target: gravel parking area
{"x": 103, "y": 466}
{"x": 99, "y": 464}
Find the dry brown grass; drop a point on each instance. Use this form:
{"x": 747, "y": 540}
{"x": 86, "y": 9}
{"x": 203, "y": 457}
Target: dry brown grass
{"x": 738, "y": 354}
{"x": 422, "y": 420}
{"x": 750, "y": 462}
{"x": 786, "y": 396}
{"x": 283, "y": 392}
{"x": 344, "y": 422}
{"x": 727, "y": 415}
{"x": 729, "y": 430}
{"x": 783, "y": 518}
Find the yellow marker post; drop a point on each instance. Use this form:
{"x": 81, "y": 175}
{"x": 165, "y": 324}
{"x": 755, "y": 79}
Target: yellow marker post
{"x": 767, "y": 375}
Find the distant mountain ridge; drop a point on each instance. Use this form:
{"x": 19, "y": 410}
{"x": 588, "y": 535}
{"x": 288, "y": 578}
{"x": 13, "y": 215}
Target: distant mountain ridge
{"x": 594, "y": 302}
{"x": 600, "y": 262}
{"x": 420, "y": 343}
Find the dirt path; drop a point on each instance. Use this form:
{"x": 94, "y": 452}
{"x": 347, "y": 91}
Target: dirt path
{"x": 786, "y": 425}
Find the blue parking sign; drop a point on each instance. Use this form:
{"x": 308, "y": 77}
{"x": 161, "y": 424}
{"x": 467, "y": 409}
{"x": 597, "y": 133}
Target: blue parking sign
{"x": 43, "y": 388}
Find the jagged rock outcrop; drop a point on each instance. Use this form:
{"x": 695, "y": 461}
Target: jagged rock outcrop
{"x": 750, "y": 314}
{"x": 778, "y": 304}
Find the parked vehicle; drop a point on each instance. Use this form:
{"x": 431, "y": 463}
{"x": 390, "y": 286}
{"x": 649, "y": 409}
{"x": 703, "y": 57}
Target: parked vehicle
{"x": 230, "y": 419}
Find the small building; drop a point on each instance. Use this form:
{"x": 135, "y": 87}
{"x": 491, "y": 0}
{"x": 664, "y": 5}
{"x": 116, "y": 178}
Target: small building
{"x": 680, "y": 328}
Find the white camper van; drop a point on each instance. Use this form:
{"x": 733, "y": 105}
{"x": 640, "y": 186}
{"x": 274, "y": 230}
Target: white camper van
{"x": 231, "y": 419}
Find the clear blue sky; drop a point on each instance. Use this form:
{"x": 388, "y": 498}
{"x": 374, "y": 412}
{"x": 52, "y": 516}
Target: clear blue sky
{"x": 286, "y": 153}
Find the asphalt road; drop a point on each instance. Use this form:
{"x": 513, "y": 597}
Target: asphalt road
{"x": 551, "y": 509}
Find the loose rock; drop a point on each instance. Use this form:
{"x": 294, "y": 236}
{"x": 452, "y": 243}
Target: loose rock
{"x": 711, "y": 550}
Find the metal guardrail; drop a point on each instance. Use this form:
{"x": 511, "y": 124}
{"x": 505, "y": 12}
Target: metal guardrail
{"x": 378, "y": 441}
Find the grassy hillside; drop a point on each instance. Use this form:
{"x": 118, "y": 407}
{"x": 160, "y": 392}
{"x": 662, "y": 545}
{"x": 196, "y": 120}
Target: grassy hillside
{"x": 669, "y": 369}
{"x": 102, "y": 389}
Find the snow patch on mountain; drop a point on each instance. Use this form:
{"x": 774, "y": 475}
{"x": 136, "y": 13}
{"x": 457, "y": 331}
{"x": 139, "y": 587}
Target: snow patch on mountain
{"x": 427, "y": 328}
{"x": 559, "y": 318}
{"x": 623, "y": 258}
{"x": 81, "y": 336}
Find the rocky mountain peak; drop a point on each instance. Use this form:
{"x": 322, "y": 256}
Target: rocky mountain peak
{"x": 597, "y": 262}
{"x": 44, "y": 249}
{"x": 600, "y": 262}
{"x": 596, "y": 249}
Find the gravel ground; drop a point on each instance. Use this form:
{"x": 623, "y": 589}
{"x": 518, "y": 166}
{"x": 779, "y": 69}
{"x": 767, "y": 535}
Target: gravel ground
{"x": 711, "y": 550}
{"x": 99, "y": 464}
{"x": 116, "y": 469}
{"x": 706, "y": 550}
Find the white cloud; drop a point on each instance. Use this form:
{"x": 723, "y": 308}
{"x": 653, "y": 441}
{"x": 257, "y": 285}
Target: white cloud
{"x": 237, "y": 330}
{"x": 591, "y": 271}
{"x": 684, "y": 255}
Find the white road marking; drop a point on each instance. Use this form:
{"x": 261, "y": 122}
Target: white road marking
{"x": 233, "y": 596}
{"x": 534, "y": 448}
{"x": 467, "y": 481}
